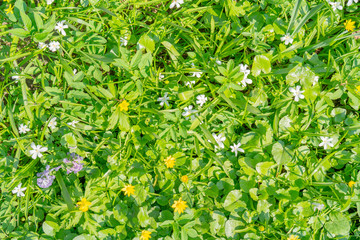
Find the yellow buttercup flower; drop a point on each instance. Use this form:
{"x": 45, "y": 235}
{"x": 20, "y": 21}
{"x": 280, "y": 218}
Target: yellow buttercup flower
{"x": 349, "y": 25}
{"x": 351, "y": 184}
{"x": 179, "y": 206}
{"x": 358, "y": 88}
{"x": 6, "y": 0}
{"x": 128, "y": 190}
{"x": 293, "y": 237}
{"x": 261, "y": 228}
{"x": 10, "y": 9}
{"x": 124, "y": 106}
{"x": 184, "y": 179}
{"x": 84, "y": 205}
{"x": 145, "y": 235}
{"x": 169, "y": 162}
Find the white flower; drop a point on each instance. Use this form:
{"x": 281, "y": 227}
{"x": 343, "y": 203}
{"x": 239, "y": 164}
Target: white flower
{"x": 42, "y": 45}
{"x": 326, "y": 141}
{"x": 189, "y": 111}
{"x": 72, "y": 123}
{"x": 189, "y": 83}
{"x": 316, "y": 80}
{"x": 23, "y": 129}
{"x": 19, "y": 191}
{"x": 236, "y": 148}
{"x": 218, "y": 62}
{"x": 161, "y": 76}
{"x": 297, "y": 93}
{"x": 49, "y": 1}
{"x": 52, "y": 123}
{"x": 123, "y": 41}
{"x": 287, "y": 38}
{"x": 37, "y": 150}
{"x": 201, "y": 100}
{"x": 350, "y": 2}
{"x": 318, "y": 206}
{"x": 176, "y": 3}
{"x": 74, "y": 72}
{"x": 336, "y": 5}
{"x": 61, "y": 26}
{"x": 246, "y": 81}
{"x": 243, "y": 69}
{"x": 164, "y": 100}
{"x": 219, "y": 139}
{"x": 16, "y": 78}
{"x": 54, "y": 45}
{"x": 196, "y": 74}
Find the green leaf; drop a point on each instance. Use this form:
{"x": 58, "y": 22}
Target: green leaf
{"x": 232, "y": 201}
{"x": 281, "y": 153}
{"x": 261, "y": 63}
{"x": 50, "y": 228}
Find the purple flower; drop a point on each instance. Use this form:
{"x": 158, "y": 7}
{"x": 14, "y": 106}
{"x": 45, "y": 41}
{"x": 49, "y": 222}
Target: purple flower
{"x": 45, "y": 179}
{"x": 75, "y": 164}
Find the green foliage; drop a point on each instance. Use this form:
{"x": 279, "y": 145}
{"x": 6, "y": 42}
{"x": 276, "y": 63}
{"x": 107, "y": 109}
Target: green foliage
{"x": 257, "y": 102}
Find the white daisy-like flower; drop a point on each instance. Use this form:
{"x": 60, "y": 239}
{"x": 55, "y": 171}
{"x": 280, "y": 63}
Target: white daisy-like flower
{"x": 336, "y": 5}
{"x": 297, "y": 93}
{"x": 287, "y": 38}
{"x": 315, "y": 80}
{"x": 326, "y": 142}
{"x": 52, "y": 123}
{"x": 61, "y": 26}
{"x": 16, "y": 78}
{"x": 72, "y": 123}
{"x": 42, "y": 45}
{"x": 161, "y": 76}
{"x": 54, "y": 46}
{"x": 236, "y": 148}
{"x": 176, "y": 3}
{"x": 218, "y": 62}
{"x": 37, "y": 150}
{"x": 19, "y": 190}
{"x": 196, "y": 74}
{"x": 246, "y": 81}
{"x": 188, "y": 111}
{"x": 318, "y": 206}
{"x": 75, "y": 72}
{"x": 49, "y": 1}
{"x": 219, "y": 139}
{"x": 190, "y": 83}
{"x": 164, "y": 100}
{"x": 123, "y": 41}
{"x": 201, "y": 100}
{"x": 350, "y": 2}
{"x": 23, "y": 129}
{"x": 243, "y": 69}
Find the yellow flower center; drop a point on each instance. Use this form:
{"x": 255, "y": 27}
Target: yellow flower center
{"x": 128, "y": 190}
{"x": 83, "y": 205}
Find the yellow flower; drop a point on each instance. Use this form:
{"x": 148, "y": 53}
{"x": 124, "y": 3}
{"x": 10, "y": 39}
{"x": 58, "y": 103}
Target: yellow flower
{"x": 261, "y": 228}
{"x": 84, "y": 205}
{"x": 351, "y": 184}
{"x": 6, "y": 0}
{"x": 293, "y": 237}
{"x": 128, "y": 190}
{"x": 184, "y": 179}
{"x": 179, "y": 206}
{"x": 10, "y": 9}
{"x": 358, "y": 88}
{"x": 349, "y": 25}
{"x": 145, "y": 235}
{"x": 169, "y": 162}
{"x": 124, "y": 106}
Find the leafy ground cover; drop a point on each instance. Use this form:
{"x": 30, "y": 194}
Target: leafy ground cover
{"x": 181, "y": 119}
